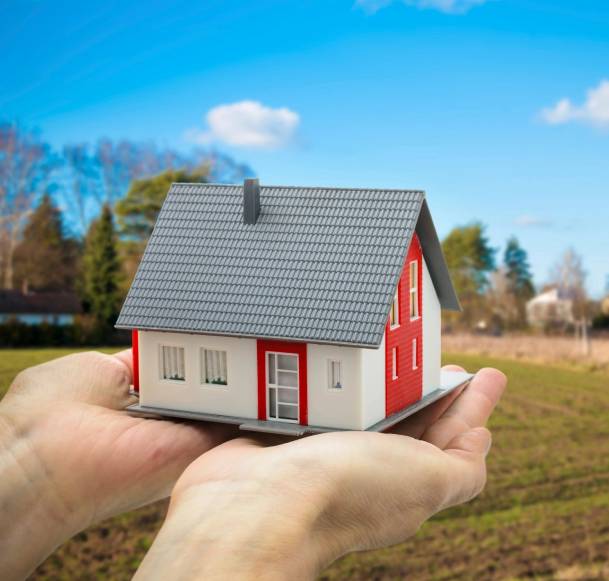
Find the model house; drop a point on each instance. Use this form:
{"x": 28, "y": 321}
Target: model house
{"x": 290, "y": 309}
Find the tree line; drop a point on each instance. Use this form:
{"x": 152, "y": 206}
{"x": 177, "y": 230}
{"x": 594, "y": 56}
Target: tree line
{"x": 77, "y": 220}
{"x": 494, "y": 294}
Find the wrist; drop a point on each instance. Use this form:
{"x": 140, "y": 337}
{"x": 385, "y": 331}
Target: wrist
{"x": 237, "y": 530}
{"x": 36, "y": 517}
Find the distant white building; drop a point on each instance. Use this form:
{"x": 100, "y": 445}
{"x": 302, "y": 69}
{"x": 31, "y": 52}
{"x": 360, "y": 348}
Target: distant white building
{"x": 550, "y": 308}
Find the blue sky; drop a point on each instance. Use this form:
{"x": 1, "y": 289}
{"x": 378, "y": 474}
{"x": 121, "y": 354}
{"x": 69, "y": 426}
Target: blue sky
{"x": 499, "y": 109}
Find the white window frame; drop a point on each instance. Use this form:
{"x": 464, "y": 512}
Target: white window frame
{"x": 414, "y": 290}
{"x": 203, "y": 364}
{"x": 394, "y": 315}
{"x": 332, "y": 365}
{"x": 394, "y": 363}
{"x": 415, "y": 349}
{"x": 162, "y": 377}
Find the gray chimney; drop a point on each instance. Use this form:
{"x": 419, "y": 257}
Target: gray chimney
{"x": 251, "y": 201}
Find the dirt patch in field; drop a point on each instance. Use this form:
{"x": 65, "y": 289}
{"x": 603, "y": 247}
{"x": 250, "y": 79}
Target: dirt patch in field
{"x": 541, "y": 349}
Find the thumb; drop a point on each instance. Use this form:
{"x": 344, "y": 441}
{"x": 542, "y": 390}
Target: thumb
{"x": 467, "y": 454}
{"x": 476, "y": 441}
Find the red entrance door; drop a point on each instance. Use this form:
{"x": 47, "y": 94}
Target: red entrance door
{"x": 282, "y": 381}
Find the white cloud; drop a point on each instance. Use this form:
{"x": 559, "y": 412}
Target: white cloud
{"x": 448, "y": 6}
{"x": 248, "y": 124}
{"x": 594, "y": 110}
{"x": 528, "y": 221}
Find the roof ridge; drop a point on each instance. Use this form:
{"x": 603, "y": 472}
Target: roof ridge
{"x": 262, "y": 186}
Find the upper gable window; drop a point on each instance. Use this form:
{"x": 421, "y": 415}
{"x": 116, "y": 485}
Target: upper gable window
{"x": 394, "y": 315}
{"x": 172, "y": 363}
{"x": 414, "y": 289}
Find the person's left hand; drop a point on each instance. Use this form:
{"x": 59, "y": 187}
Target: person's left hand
{"x": 70, "y": 457}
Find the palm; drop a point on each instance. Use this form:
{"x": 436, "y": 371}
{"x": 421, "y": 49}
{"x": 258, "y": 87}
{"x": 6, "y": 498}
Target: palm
{"x": 103, "y": 460}
{"x": 368, "y": 465}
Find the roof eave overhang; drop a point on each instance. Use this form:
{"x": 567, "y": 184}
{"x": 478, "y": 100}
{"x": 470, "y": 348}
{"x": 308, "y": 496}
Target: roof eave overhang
{"x": 436, "y": 263}
{"x": 253, "y": 336}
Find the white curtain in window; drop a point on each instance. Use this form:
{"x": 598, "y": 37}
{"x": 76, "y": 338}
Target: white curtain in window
{"x": 215, "y": 366}
{"x": 173, "y": 362}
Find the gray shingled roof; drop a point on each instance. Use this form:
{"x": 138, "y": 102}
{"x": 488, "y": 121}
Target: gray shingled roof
{"x": 320, "y": 264}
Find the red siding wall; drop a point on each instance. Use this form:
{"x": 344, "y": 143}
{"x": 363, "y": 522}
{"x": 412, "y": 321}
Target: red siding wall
{"x": 408, "y": 387}
{"x": 299, "y": 349}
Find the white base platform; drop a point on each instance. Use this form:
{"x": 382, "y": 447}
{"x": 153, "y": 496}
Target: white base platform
{"x": 450, "y": 380}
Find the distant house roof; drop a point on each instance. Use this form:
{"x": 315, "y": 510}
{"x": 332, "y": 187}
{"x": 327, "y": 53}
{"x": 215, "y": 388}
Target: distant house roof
{"x": 13, "y": 302}
{"x": 551, "y": 295}
{"x": 319, "y": 264}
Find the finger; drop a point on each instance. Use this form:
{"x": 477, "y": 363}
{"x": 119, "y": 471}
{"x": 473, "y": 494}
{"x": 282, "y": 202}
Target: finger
{"x": 452, "y": 367}
{"x": 412, "y": 481}
{"x": 89, "y": 377}
{"x": 467, "y": 453}
{"x": 470, "y": 410}
{"x": 126, "y": 357}
{"x": 416, "y": 425}
{"x": 475, "y": 441}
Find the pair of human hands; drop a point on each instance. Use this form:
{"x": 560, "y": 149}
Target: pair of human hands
{"x": 240, "y": 506}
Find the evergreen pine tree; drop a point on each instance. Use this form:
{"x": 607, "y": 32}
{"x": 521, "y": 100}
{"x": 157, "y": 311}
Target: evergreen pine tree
{"x": 518, "y": 283}
{"x": 102, "y": 272}
{"x": 45, "y": 259}
{"x": 518, "y": 271}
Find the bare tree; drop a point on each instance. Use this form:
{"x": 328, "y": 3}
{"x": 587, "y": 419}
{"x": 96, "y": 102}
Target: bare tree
{"x": 502, "y": 300}
{"x": 85, "y": 178}
{"x": 26, "y": 165}
{"x": 569, "y": 276}
{"x": 122, "y": 162}
{"x": 81, "y": 194}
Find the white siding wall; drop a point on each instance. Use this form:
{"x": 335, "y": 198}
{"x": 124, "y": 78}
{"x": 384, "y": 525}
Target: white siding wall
{"x": 373, "y": 388}
{"x": 326, "y": 407}
{"x": 238, "y": 398}
{"x": 432, "y": 338}
{"x": 332, "y": 407}
{"x": 358, "y": 405}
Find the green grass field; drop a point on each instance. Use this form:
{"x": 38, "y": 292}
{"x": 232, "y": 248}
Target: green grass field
{"x": 543, "y": 515}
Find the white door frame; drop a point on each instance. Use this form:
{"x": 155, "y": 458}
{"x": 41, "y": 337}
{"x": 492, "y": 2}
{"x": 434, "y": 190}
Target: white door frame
{"x": 275, "y": 386}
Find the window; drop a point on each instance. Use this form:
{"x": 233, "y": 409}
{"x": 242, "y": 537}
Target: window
{"x": 335, "y": 374}
{"x": 213, "y": 367}
{"x": 172, "y": 363}
{"x": 414, "y": 290}
{"x": 394, "y": 362}
{"x": 414, "y": 354}
{"x": 394, "y": 315}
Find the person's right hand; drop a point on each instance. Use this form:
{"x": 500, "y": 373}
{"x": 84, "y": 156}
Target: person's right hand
{"x": 248, "y": 510}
